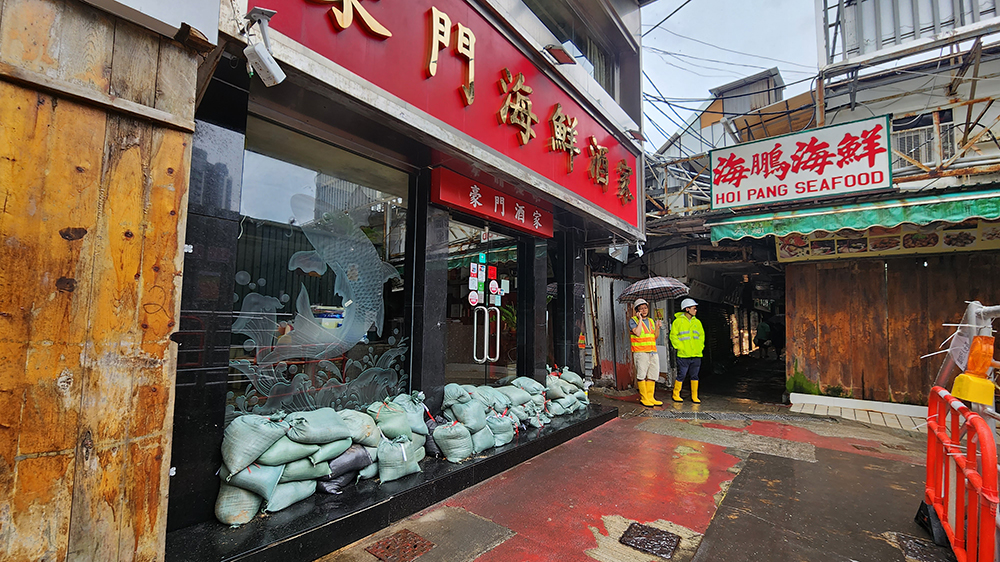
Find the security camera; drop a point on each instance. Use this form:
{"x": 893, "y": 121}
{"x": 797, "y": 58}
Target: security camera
{"x": 259, "y": 54}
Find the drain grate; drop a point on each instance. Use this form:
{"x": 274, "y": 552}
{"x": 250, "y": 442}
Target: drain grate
{"x": 650, "y": 540}
{"x": 724, "y": 416}
{"x": 403, "y": 546}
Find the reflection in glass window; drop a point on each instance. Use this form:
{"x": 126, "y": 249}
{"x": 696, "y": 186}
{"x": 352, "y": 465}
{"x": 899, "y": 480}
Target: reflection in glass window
{"x": 318, "y": 298}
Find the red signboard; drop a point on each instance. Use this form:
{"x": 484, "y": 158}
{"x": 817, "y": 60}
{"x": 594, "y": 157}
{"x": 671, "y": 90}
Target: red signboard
{"x": 464, "y": 194}
{"x": 444, "y": 58}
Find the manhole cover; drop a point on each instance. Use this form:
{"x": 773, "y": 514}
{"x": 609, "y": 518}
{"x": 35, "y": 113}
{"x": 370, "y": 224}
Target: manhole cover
{"x": 403, "y": 546}
{"x": 650, "y": 540}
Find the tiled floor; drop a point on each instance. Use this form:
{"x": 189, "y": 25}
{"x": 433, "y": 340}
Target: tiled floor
{"x": 908, "y": 423}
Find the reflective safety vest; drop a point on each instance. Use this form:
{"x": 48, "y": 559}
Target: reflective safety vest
{"x": 687, "y": 336}
{"x": 582, "y": 342}
{"x": 645, "y": 342}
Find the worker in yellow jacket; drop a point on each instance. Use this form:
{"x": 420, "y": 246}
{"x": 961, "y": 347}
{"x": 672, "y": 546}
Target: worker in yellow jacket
{"x": 647, "y": 360}
{"x": 688, "y": 337}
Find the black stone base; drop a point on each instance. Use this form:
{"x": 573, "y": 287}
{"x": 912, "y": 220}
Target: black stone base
{"x": 323, "y": 523}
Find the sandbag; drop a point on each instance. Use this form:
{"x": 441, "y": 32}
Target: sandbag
{"x": 391, "y": 419}
{"x": 454, "y": 394}
{"x": 260, "y": 479}
{"x": 370, "y": 471}
{"x": 373, "y": 452}
{"x": 337, "y": 485}
{"x": 290, "y": 492}
{"x": 516, "y": 395}
{"x": 539, "y": 400}
{"x": 482, "y": 440}
{"x": 330, "y": 451}
{"x": 529, "y": 385}
{"x": 571, "y": 377}
{"x": 362, "y": 427}
{"x": 247, "y": 437}
{"x": 497, "y": 400}
{"x": 430, "y": 446}
{"x": 553, "y": 408}
{"x": 454, "y": 440}
{"x": 304, "y": 469}
{"x": 502, "y": 428}
{"x": 581, "y": 397}
{"x": 519, "y": 412}
{"x": 413, "y": 404}
{"x": 236, "y": 506}
{"x": 395, "y": 460}
{"x": 285, "y": 451}
{"x": 554, "y": 388}
{"x": 472, "y": 414}
{"x": 353, "y": 459}
{"x": 419, "y": 440}
{"x": 317, "y": 426}
{"x": 569, "y": 403}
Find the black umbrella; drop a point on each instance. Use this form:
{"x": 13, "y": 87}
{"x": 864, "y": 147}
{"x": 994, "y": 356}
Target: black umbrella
{"x": 654, "y": 289}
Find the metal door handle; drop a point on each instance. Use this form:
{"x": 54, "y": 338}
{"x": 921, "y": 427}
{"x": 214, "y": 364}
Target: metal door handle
{"x": 475, "y": 333}
{"x": 497, "y": 332}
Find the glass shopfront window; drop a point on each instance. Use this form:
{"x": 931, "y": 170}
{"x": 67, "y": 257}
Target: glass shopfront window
{"x": 318, "y": 299}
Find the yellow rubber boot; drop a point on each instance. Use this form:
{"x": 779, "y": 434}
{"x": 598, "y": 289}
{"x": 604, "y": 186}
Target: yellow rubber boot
{"x": 677, "y": 392}
{"x": 694, "y": 392}
{"x": 644, "y": 395}
{"x": 651, "y": 385}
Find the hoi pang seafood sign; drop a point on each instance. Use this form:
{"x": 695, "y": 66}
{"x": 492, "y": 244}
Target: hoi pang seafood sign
{"x": 829, "y": 162}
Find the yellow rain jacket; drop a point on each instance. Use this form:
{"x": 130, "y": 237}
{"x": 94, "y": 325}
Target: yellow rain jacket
{"x": 687, "y": 336}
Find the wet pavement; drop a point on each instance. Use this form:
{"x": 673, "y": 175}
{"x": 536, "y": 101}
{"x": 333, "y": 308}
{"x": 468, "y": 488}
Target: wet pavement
{"x": 735, "y": 478}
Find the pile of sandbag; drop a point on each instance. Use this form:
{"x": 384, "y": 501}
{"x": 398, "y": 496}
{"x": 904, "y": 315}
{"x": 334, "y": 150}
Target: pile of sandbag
{"x": 271, "y": 462}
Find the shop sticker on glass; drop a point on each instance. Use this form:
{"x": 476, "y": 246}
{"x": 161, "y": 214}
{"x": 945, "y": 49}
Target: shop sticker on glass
{"x": 497, "y": 300}
{"x": 491, "y": 271}
{"x": 482, "y": 258}
{"x": 505, "y": 286}
{"x": 482, "y": 273}
{"x": 494, "y": 287}
{"x": 473, "y": 283}
{"x": 481, "y": 286}
{"x": 474, "y": 269}
{"x": 482, "y": 297}
{"x": 473, "y": 298}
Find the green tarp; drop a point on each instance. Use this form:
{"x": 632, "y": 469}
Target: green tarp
{"x": 952, "y": 208}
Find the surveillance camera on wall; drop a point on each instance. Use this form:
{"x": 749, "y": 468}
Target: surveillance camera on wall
{"x": 259, "y": 54}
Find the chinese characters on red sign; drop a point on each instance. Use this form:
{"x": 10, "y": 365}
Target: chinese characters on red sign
{"x": 457, "y": 191}
{"x": 827, "y": 162}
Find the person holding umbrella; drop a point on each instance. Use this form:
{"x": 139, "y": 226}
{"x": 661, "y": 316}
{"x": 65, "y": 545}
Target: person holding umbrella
{"x": 688, "y": 337}
{"x": 647, "y": 360}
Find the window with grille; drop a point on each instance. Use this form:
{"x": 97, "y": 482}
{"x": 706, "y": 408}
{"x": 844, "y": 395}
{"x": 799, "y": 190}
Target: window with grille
{"x": 914, "y": 137}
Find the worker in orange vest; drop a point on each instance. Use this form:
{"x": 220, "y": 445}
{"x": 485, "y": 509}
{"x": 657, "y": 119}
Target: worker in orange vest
{"x": 647, "y": 360}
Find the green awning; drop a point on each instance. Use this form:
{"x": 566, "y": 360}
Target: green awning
{"x": 952, "y": 208}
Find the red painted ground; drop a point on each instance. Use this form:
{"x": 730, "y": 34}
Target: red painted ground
{"x": 554, "y": 498}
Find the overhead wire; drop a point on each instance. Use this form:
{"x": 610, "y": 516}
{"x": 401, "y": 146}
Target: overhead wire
{"x": 659, "y": 23}
{"x": 736, "y": 52}
{"x": 684, "y": 55}
{"x": 689, "y": 125}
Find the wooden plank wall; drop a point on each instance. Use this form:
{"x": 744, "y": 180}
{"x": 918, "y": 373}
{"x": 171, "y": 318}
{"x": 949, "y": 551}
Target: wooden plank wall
{"x": 91, "y": 249}
{"x": 859, "y": 328}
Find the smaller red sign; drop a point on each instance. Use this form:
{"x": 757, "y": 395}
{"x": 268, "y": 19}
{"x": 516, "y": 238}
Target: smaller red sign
{"x": 474, "y": 298}
{"x": 459, "y": 192}
{"x": 491, "y": 272}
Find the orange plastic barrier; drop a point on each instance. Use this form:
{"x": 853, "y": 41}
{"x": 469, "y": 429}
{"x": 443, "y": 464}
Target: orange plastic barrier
{"x": 962, "y": 476}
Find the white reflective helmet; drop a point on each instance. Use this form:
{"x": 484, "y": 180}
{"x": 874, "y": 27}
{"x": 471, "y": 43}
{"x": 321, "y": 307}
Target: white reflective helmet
{"x": 639, "y": 302}
{"x": 686, "y": 303}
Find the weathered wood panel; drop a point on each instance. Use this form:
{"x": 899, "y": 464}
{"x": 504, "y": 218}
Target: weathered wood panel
{"x": 866, "y": 297}
{"x": 838, "y": 338}
{"x": 177, "y": 94}
{"x": 801, "y": 324}
{"x": 133, "y": 71}
{"x": 908, "y": 330}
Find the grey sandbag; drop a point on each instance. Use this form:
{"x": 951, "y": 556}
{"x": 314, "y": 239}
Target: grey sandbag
{"x": 396, "y": 459}
{"x": 257, "y": 478}
{"x": 330, "y": 451}
{"x": 413, "y": 404}
{"x": 581, "y": 397}
{"x": 304, "y": 469}
{"x": 454, "y": 441}
{"x": 472, "y": 414}
{"x": 553, "y": 408}
{"x": 502, "y": 428}
{"x": 290, "y": 492}
{"x": 236, "y": 506}
{"x": 569, "y": 403}
{"x": 391, "y": 419}
{"x": 454, "y": 394}
{"x": 482, "y": 440}
{"x": 529, "y": 385}
{"x": 430, "y": 446}
{"x": 247, "y": 437}
{"x": 285, "y": 451}
{"x": 554, "y": 388}
{"x": 519, "y": 412}
{"x": 337, "y": 485}
{"x": 370, "y": 471}
{"x": 495, "y": 400}
{"x": 353, "y": 459}
{"x": 323, "y": 425}
{"x": 539, "y": 400}
{"x": 419, "y": 440}
{"x": 516, "y": 395}
{"x": 372, "y": 452}
{"x": 572, "y": 378}
{"x": 362, "y": 427}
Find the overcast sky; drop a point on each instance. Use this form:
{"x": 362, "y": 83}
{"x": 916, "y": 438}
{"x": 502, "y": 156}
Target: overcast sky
{"x": 743, "y": 32}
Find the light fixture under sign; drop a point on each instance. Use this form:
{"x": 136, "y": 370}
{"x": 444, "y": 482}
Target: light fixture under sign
{"x": 559, "y": 53}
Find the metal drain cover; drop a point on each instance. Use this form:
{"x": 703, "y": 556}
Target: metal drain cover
{"x": 650, "y": 540}
{"x": 403, "y": 546}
